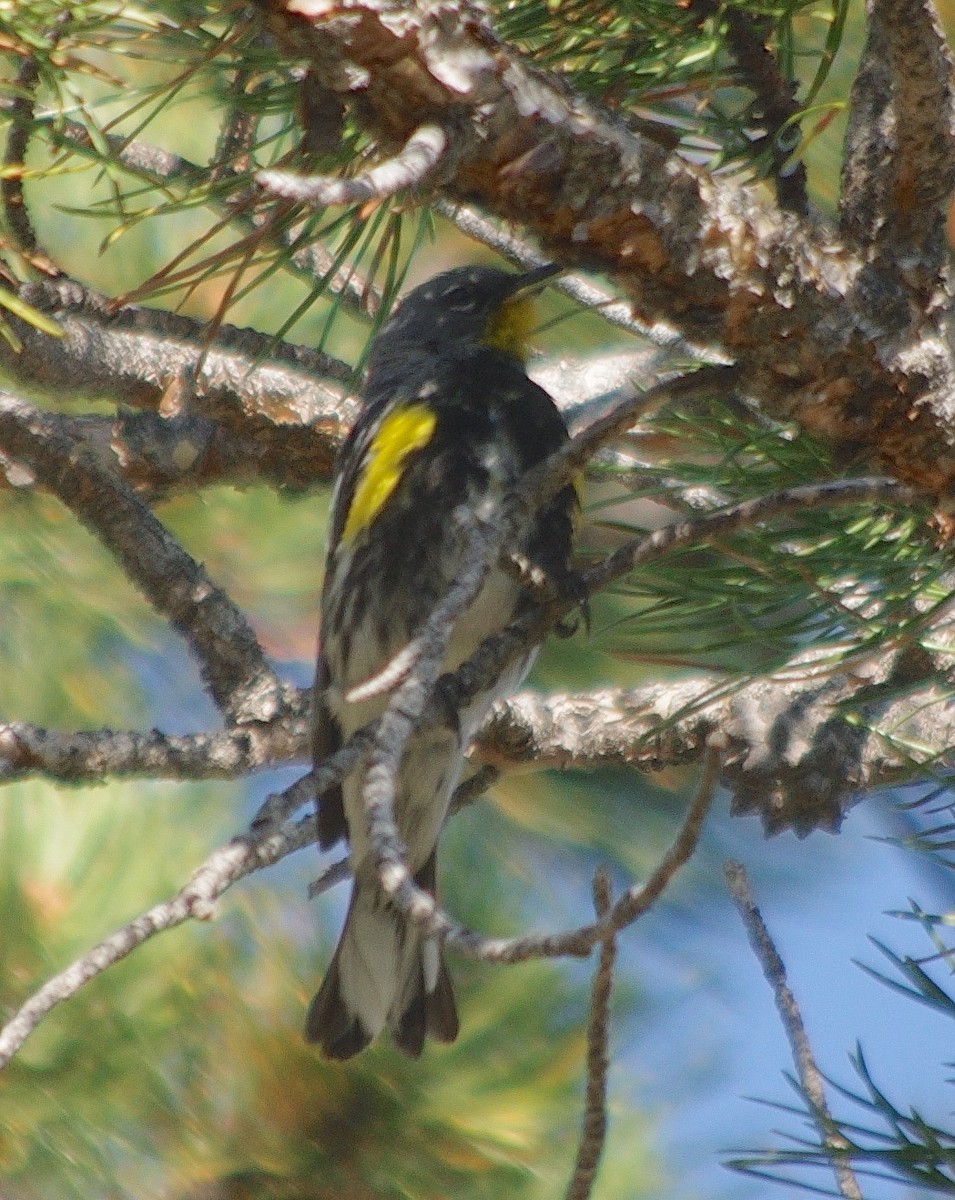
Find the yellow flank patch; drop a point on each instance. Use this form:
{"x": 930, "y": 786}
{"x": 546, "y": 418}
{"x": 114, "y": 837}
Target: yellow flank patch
{"x": 511, "y": 326}
{"x": 400, "y": 434}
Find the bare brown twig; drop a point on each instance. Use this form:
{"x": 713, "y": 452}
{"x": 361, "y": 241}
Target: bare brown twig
{"x": 594, "y": 1130}
{"x": 810, "y": 1077}
{"x": 269, "y": 841}
{"x": 196, "y": 901}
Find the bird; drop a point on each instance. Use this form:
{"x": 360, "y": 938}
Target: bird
{"x": 449, "y": 424}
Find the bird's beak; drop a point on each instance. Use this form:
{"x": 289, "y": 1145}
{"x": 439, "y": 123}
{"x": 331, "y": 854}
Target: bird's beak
{"x": 529, "y": 282}
{"x": 512, "y": 324}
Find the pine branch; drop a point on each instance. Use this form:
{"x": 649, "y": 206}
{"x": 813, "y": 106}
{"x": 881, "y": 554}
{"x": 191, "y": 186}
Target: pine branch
{"x": 899, "y": 170}
{"x": 810, "y": 1077}
{"x": 92, "y": 756}
{"x": 232, "y": 663}
{"x": 784, "y": 297}
{"x": 408, "y": 168}
{"x": 286, "y": 404}
{"x": 196, "y": 901}
{"x": 594, "y": 1129}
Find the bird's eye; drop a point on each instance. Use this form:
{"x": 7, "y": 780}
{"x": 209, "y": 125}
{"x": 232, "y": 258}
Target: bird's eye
{"x": 459, "y": 298}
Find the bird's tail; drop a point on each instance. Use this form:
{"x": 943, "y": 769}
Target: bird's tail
{"x": 385, "y": 971}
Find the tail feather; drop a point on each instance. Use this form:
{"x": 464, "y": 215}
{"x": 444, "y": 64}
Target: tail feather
{"x": 429, "y": 1013}
{"x": 329, "y": 1023}
{"x": 385, "y": 972}
{"x": 442, "y": 1017}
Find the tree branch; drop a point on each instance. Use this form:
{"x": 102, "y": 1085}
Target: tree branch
{"x": 232, "y": 663}
{"x": 416, "y": 159}
{"x": 810, "y": 1077}
{"x": 802, "y": 745}
{"x": 924, "y": 162}
{"x": 161, "y": 455}
{"x": 899, "y": 164}
{"x": 90, "y": 757}
{"x": 702, "y": 251}
{"x": 594, "y": 1131}
{"x": 196, "y": 901}
{"x": 271, "y": 396}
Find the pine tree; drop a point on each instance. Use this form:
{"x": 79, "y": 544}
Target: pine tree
{"x": 208, "y": 209}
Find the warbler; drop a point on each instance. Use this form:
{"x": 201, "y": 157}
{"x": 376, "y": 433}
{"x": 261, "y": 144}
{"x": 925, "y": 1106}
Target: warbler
{"x": 450, "y": 423}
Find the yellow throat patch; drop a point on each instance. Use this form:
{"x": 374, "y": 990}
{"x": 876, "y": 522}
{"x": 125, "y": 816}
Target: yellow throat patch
{"x": 399, "y": 435}
{"x": 511, "y": 326}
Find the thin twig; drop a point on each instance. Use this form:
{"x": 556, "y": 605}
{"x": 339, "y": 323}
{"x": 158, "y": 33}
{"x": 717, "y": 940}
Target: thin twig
{"x": 22, "y": 111}
{"x": 810, "y": 1077}
{"x": 265, "y": 844}
{"x": 575, "y": 943}
{"x": 278, "y": 807}
{"x": 414, "y": 161}
{"x": 594, "y": 1130}
{"x": 196, "y": 901}
{"x": 404, "y": 711}
{"x": 868, "y": 489}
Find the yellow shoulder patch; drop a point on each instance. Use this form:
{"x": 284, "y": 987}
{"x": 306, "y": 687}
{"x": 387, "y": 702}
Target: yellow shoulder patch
{"x": 400, "y": 434}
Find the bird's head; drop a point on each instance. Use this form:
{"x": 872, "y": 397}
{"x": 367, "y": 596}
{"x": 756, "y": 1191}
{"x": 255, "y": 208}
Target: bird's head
{"x": 466, "y": 306}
